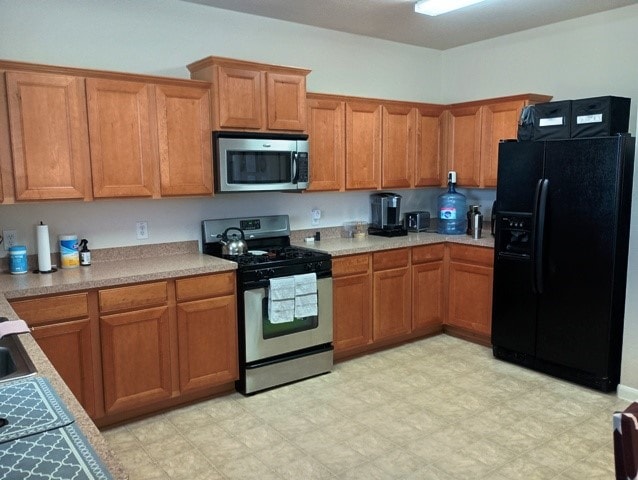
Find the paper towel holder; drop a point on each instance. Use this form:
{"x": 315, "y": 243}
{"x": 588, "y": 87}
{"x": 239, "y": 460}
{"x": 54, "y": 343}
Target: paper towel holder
{"x": 44, "y": 249}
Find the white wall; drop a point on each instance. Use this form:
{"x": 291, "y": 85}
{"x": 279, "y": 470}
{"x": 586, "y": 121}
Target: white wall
{"x": 591, "y": 56}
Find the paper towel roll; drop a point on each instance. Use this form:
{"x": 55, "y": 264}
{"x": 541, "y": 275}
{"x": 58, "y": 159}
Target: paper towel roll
{"x": 44, "y": 248}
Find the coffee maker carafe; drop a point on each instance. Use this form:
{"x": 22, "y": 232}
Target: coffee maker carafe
{"x": 386, "y": 215}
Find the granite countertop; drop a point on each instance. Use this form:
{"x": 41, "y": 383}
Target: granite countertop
{"x": 112, "y": 271}
{"x": 372, "y": 243}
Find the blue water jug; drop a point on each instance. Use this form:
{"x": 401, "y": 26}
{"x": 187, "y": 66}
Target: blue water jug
{"x": 451, "y": 210}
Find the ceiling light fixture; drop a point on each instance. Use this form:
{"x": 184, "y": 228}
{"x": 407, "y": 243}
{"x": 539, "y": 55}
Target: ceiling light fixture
{"x": 437, "y": 7}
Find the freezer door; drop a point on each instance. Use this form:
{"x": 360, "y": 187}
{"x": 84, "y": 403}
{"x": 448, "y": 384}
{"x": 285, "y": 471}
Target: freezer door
{"x": 520, "y": 166}
{"x": 574, "y": 310}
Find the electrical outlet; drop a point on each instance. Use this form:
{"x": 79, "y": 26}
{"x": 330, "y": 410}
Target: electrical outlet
{"x": 10, "y": 238}
{"x": 316, "y": 215}
{"x": 141, "y": 229}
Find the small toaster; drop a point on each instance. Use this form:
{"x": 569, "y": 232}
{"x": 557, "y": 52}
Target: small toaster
{"x": 416, "y": 221}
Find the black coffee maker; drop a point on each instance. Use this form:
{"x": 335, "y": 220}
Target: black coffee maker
{"x": 386, "y": 215}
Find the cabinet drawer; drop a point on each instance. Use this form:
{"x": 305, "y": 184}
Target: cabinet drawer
{"x": 470, "y": 254}
{"x": 135, "y": 296}
{"x": 391, "y": 259}
{"x": 427, "y": 253}
{"x": 205, "y": 286}
{"x": 38, "y": 311}
{"x": 350, "y": 265}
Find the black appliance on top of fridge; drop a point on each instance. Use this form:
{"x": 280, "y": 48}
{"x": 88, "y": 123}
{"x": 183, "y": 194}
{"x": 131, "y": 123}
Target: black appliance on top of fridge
{"x": 560, "y": 266}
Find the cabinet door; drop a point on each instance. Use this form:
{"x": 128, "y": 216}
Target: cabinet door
{"x": 464, "y": 144}
{"x": 352, "y": 311}
{"x": 286, "y": 99}
{"x": 398, "y": 146}
{"x": 69, "y": 347}
{"x": 392, "y": 313}
{"x": 428, "y": 169}
{"x": 363, "y": 146}
{"x": 392, "y": 294}
{"x": 470, "y": 297}
{"x": 184, "y": 134}
{"x": 427, "y": 295}
{"x": 500, "y": 121}
{"x": 123, "y": 154}
{"x": 207, "y": 338}
{"x": 49, "y": 137}
{"x": 327, "y": 152}
{"x": 136, "y": 358}
{"x": 240, "y": 95}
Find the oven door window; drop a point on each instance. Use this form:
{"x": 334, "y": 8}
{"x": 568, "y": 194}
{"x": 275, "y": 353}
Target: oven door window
{"x": 256, "y": 167}
{"x": 272, "y": 330}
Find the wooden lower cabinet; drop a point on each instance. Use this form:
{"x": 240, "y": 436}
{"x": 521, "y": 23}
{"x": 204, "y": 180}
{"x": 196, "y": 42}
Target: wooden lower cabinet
{"x": 62, "y": 327}
{"x": 428, "y": 288}
{"x": 69, "y": 348}
{"x": 392, "y": 296}
{"x": 207, "y": 338}
{"x": 128, "y": 350}
{"x": 136, "y": 358}
{"x": 352, "y": 302}
{"x": 470, "y": 275}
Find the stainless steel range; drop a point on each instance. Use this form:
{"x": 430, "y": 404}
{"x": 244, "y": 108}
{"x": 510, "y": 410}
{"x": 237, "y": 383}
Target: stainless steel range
{"x": 284, "y": 302}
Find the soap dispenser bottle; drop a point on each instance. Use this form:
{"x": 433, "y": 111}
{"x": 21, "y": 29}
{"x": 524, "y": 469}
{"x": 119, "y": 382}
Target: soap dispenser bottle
{"x": 85, "y": 253}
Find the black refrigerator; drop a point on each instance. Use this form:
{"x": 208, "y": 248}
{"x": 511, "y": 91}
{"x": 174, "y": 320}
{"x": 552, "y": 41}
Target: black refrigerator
{"x": 560, "y": 265}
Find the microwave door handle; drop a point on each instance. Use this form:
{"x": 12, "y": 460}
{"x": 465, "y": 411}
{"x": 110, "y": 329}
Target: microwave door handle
{"x": 295, "y": 170}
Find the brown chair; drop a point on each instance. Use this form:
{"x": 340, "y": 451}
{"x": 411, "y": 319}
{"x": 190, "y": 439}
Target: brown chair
{"x": 626, "y": 443}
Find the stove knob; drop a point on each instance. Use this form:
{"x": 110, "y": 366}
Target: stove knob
{"x": 270, "y": 272}
{"x": 309, "y": 267}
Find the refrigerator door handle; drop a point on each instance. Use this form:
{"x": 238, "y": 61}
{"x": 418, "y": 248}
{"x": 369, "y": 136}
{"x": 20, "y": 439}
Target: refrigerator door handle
{"x": 542, "y": 189}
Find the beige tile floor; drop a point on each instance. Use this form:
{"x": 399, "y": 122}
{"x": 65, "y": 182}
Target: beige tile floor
{"x": 439, "y": 408}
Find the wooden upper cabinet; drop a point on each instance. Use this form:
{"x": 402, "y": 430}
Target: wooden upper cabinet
{"x": 363, "y": 145}
{"x": 464, "y": 144}
{"x": 239, "y": 95}
{"x": 286, "y": 97}
{"x": 48, "y": 131}
{"x": 184, "y": 135}
{"x": 398, "y": 146}
{"x": 254, "y": 96}
{"x": 500, "y": 122}
{"x": 473, "y": 132}
{"x": 123, "y": 149}
{"x": 326, "y": 131}
{"x": 428, "y": 165}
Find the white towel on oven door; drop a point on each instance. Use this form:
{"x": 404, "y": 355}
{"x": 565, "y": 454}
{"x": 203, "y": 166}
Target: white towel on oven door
{"x": 281, "y": 300}
{"x": 306, "y": 295}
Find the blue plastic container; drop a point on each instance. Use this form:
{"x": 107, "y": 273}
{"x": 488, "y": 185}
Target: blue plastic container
{"x": 18, "y": 259}
{"x": 451, "y": 210}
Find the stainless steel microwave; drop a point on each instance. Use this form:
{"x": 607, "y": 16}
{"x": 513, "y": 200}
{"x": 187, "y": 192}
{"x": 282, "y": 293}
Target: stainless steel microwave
{"x": 258, "y": 162}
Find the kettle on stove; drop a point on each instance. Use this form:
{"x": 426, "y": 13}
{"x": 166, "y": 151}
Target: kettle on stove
{"x": 234, "y": 245}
